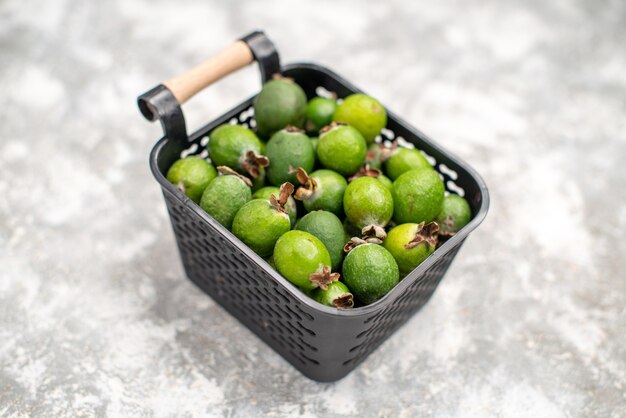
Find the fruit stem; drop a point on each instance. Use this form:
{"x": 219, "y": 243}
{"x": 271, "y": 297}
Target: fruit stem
{"x": 227, "y": 171}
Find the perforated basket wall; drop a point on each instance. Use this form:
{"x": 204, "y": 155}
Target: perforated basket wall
{"x": 323, "y": 343}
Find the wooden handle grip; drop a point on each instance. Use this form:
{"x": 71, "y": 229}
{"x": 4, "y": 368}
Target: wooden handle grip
{"x": 230, "y": 59}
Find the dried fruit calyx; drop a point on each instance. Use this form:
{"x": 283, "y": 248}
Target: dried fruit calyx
{"x": 356, "y": 241}
{"x": 286, "y": 189}
{"x": 227, "y": 171}
{"x": 252, "y": 163}
{"x": 374, "y": 231}
{"x": 291, "y": 128}
{"x": 365, "y": 171}
{"x": 425, "y": 233}
{"x": 279, "y": 76}
{"x": 448, "y": 227}
{"x": 371, "y": 234}
{"x": 323, "y": 277}
{"x": 309, "y": 185}
{"x": 383, "y": 152}
{"x": 344, "y": 301}
{"x": 331, "y": 126}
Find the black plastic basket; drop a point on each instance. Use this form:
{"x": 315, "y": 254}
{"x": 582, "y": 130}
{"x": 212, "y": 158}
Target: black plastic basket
{"x": 323, "y": 343}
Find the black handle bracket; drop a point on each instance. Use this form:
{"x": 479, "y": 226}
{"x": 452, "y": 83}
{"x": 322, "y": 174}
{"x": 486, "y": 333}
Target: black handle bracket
{"x": 264, "y": 53}
{"x": 160, "y": 103}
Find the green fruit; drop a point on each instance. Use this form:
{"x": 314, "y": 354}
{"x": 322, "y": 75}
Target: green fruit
{"x": 319, "y": 113}
{"x": 418, "y": 196}
{"x": 265, "y": 193}
{"x": 321, "y": 190}
{"x": 454, "y": 215}
{"x": 350, "y": 230}
{"x": 259, "y": 182}
{"x": 336, "y": 295}
{"x": 329, "y": 229}
{"x": 403, "y": 160}
{"x": 385, "y": 181}
{"x": 314, "y": 141}
{"x": 368, "y": 202}
{"x": 410, "y": 244}
{"x": 259, "y": 224}
{"x": 236, "y": 147}
{"x": 270, "y": 261}
{"x": 287, "y": 149}
{"x": 370, "y": 271}
{"x": 363, "y": 112}
{"x": 223, "y": 198}
{"x": 298, "y": 255}
{"x": 191, "y": 175}
{"x": 374, "y": 156}
{"x": 341, "y": 148}
{"x": 378, "y": 154}
{"x": 280, "y": 103}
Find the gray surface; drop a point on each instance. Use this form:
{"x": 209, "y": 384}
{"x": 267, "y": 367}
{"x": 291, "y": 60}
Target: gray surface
{"x": 97, "y": 318}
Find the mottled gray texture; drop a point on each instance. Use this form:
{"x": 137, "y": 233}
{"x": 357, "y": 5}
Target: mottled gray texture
{"x": 97, "y": 318}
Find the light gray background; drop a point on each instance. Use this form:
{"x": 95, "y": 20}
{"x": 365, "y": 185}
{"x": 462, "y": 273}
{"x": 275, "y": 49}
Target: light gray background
{"x": 96, "y": 316}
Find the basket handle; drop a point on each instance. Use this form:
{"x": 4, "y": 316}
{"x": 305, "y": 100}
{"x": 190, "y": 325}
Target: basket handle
{"x": 163, "y": 101}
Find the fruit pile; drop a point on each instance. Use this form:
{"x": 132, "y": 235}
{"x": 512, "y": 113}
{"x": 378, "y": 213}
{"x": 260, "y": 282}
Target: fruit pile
{"x": 339, "y": 215}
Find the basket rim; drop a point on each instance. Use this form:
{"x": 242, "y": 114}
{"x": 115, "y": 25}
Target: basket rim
{"x": 402, "y": 286}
